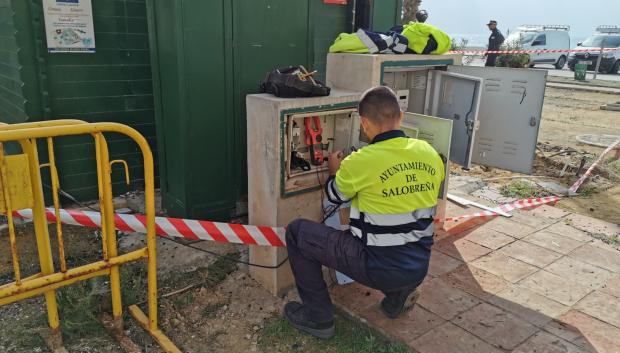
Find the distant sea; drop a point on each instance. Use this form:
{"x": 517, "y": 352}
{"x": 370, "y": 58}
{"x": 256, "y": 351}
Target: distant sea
{"x": 481, "y": 40}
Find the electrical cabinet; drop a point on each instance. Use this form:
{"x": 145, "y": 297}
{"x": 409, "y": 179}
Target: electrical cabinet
{"x": 495, "y": 112}
{"x": 282, "y": 188}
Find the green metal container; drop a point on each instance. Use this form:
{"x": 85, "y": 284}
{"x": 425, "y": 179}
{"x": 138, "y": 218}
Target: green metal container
{"x": 580, "y": 71}
{"x": 207, "y": 56}
{"x": 113, "y": 84}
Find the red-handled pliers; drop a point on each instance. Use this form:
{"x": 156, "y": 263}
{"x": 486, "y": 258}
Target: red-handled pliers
{"x": 314, "y": 138}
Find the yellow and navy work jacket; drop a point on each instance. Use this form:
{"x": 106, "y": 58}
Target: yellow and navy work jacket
{"x": 393, "y": 185}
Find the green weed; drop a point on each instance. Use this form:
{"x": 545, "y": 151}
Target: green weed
{"x": 350, "y": 337}
{"x": 522, "y": 190}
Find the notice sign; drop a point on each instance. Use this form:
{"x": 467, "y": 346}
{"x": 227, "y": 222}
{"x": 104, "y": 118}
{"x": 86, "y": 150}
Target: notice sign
{"x": 69, "y": 26}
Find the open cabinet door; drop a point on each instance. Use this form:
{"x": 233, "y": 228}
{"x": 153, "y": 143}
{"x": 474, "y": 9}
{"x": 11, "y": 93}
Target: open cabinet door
{"x": 456, "y": 97}
{"x": 509, "y": 118}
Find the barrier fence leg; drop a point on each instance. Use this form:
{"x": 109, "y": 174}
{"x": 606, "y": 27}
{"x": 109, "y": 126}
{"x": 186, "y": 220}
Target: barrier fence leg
{"x": 107, "y": 218}
{"x": 42, "y": 236}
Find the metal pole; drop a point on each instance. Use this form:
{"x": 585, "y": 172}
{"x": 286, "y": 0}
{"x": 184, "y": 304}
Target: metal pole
{"x": 598, "y": 63}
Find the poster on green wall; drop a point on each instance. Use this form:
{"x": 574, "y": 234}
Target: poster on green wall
{"x": 69, "y": 26}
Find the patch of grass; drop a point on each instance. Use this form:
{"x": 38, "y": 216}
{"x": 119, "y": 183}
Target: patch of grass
{"x": 220, "y": 269}
{"x": 351, "y": 337}
{"x": 607, "y": 239}
{"x": 211, "y": 310}
{"x": 79, "y": 308}
{"x": 614, "y": 166}
{"x": 587, "y": 190}
{"x": 183, "y": 300}
{"x": 522, "y": 190}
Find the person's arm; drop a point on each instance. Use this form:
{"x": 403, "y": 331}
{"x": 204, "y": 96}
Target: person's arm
{"x": 340, "y": 187}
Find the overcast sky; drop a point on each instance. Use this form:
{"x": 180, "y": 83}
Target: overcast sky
{"x": 470, "y": 16}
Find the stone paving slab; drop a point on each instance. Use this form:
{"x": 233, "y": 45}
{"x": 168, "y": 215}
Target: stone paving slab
{"x": 553, "y": 242}
{"x": 607, "y": 259}
{"x": 555, "y": 287}
{"x": 537, "y": 282}
{"x": 530, "y": 306}
{"x": 495, "y": 326}
{"x": 489, "y": 238}
{"x": 449, "y": 338}
{"x": 580, "y": 272}
{"x": 586, "y": 332}
{"x": 530, "y": 253}
{"x": 548, "y": 343}
{"x": 505, "y": 266}
{"x": 602, "y": 306}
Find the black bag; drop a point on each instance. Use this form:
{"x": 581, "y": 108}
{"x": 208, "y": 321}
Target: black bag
{"x": 291, "y": 82}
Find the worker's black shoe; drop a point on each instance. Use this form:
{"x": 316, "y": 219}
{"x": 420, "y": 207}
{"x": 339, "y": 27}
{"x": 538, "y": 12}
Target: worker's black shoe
{"x": 298, "y": 315}
{"x": 396, "y": 303}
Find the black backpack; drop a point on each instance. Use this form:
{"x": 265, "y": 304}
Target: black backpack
{"x": 293, "y": 81}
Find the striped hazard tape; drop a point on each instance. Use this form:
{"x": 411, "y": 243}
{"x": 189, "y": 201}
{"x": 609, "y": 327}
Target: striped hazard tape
{"x": 223, "y": 232}
{"x": 254, "y": 235}
{"x": 538, "y": 51}
{"x": 173, "y": 227}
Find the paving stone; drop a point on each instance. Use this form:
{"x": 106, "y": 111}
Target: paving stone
{"x": 492, "y": 194}
{"x": 554, "y": 242}
{"x": 461, "y": 249}
{"x": 612, "y": 286}
{"x": 449, "y": 338}
{"x": 545, "y": 342}
{"x": 586, "y": 332}
{"x": 508, "y": 227}
{"x": 555, "y": 287}
{"x": 475, "y": 281}
{"x": 444, "y": 300}
{"x": 441, "y": 263}
{"x": 531, "y": 219}
{"x": 407, "y": 327}
{"x": 531, "y": 307}
{"x": 489, "y": 238}
{"x": 602, "y": 306}
{"x": 530, "y": 253}
{"x": 547, "y": 211}
{"x": 580, "y": 272}
{"x": 355, "y": 297}
{"x": 593, "y": 225}
{"x": 607, "y": 259}
{"x": 505, "y": 266}
{"x": 495, "y": 326}
{"x": 569, "y": 231}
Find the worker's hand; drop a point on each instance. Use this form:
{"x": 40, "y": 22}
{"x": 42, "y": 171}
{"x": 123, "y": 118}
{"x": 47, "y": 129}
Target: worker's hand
{"x": 333, "y": 162}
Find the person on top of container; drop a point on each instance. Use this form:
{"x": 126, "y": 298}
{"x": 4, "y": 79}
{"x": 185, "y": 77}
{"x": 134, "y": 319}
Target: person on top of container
{"x": 393, "y": 185}
{"x": 421, "y": 16}
{"x": 495, "y": 41}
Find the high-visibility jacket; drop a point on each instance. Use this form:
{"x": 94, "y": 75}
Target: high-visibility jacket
{"x": 418, "y": 35}
{"x": 393, "y": 185}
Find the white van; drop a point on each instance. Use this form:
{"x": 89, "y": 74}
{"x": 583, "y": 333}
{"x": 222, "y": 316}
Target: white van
{"x": 536, "y": 37}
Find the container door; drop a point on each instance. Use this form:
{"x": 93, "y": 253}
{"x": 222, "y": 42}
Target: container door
{"x": 456, "y": 97}
{"x": 510, "y": 112}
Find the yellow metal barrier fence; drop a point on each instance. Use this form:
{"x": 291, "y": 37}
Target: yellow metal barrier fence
{"x": 21, "y": 187}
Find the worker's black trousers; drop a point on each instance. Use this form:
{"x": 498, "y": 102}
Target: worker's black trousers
{"x": 491, "y": 58}
{"x": 311, "y": 245}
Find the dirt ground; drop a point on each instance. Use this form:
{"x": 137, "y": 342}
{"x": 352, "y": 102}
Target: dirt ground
{"x": 223, "y": 310}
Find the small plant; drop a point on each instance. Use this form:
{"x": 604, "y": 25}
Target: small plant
{"x": 513, "y": 60}
{"x": 461, "y": 45}
{"x": 522, "y": 190}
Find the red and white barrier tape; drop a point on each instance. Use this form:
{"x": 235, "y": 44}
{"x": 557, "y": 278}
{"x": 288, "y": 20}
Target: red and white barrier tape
{"x": 222, "y": 232}
{"x": 575, "y": 187}
{"x": 517, "y": 205}
{"x": 538, "y": 51}
{"x": 252, "y": 235}
{"x": 173, "y": 227}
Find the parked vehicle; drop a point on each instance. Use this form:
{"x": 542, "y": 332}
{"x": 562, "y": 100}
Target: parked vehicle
{"x": 536, "y": 37}
{"x": 605, "y": 37}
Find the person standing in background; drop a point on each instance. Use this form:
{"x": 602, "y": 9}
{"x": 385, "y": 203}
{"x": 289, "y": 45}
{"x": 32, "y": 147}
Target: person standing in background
{"x": 495, "y": 41}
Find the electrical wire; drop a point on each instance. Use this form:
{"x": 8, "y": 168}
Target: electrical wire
{"x": 224, "y": 256}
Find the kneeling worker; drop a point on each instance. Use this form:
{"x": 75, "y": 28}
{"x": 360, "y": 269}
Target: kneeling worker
{"x": 393, "y": 185}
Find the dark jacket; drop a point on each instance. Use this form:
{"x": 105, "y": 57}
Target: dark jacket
{"x": 495, "y": 40}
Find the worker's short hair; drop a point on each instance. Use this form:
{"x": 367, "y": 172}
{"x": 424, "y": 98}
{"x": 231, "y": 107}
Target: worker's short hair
{"x": 380, "y": 105}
